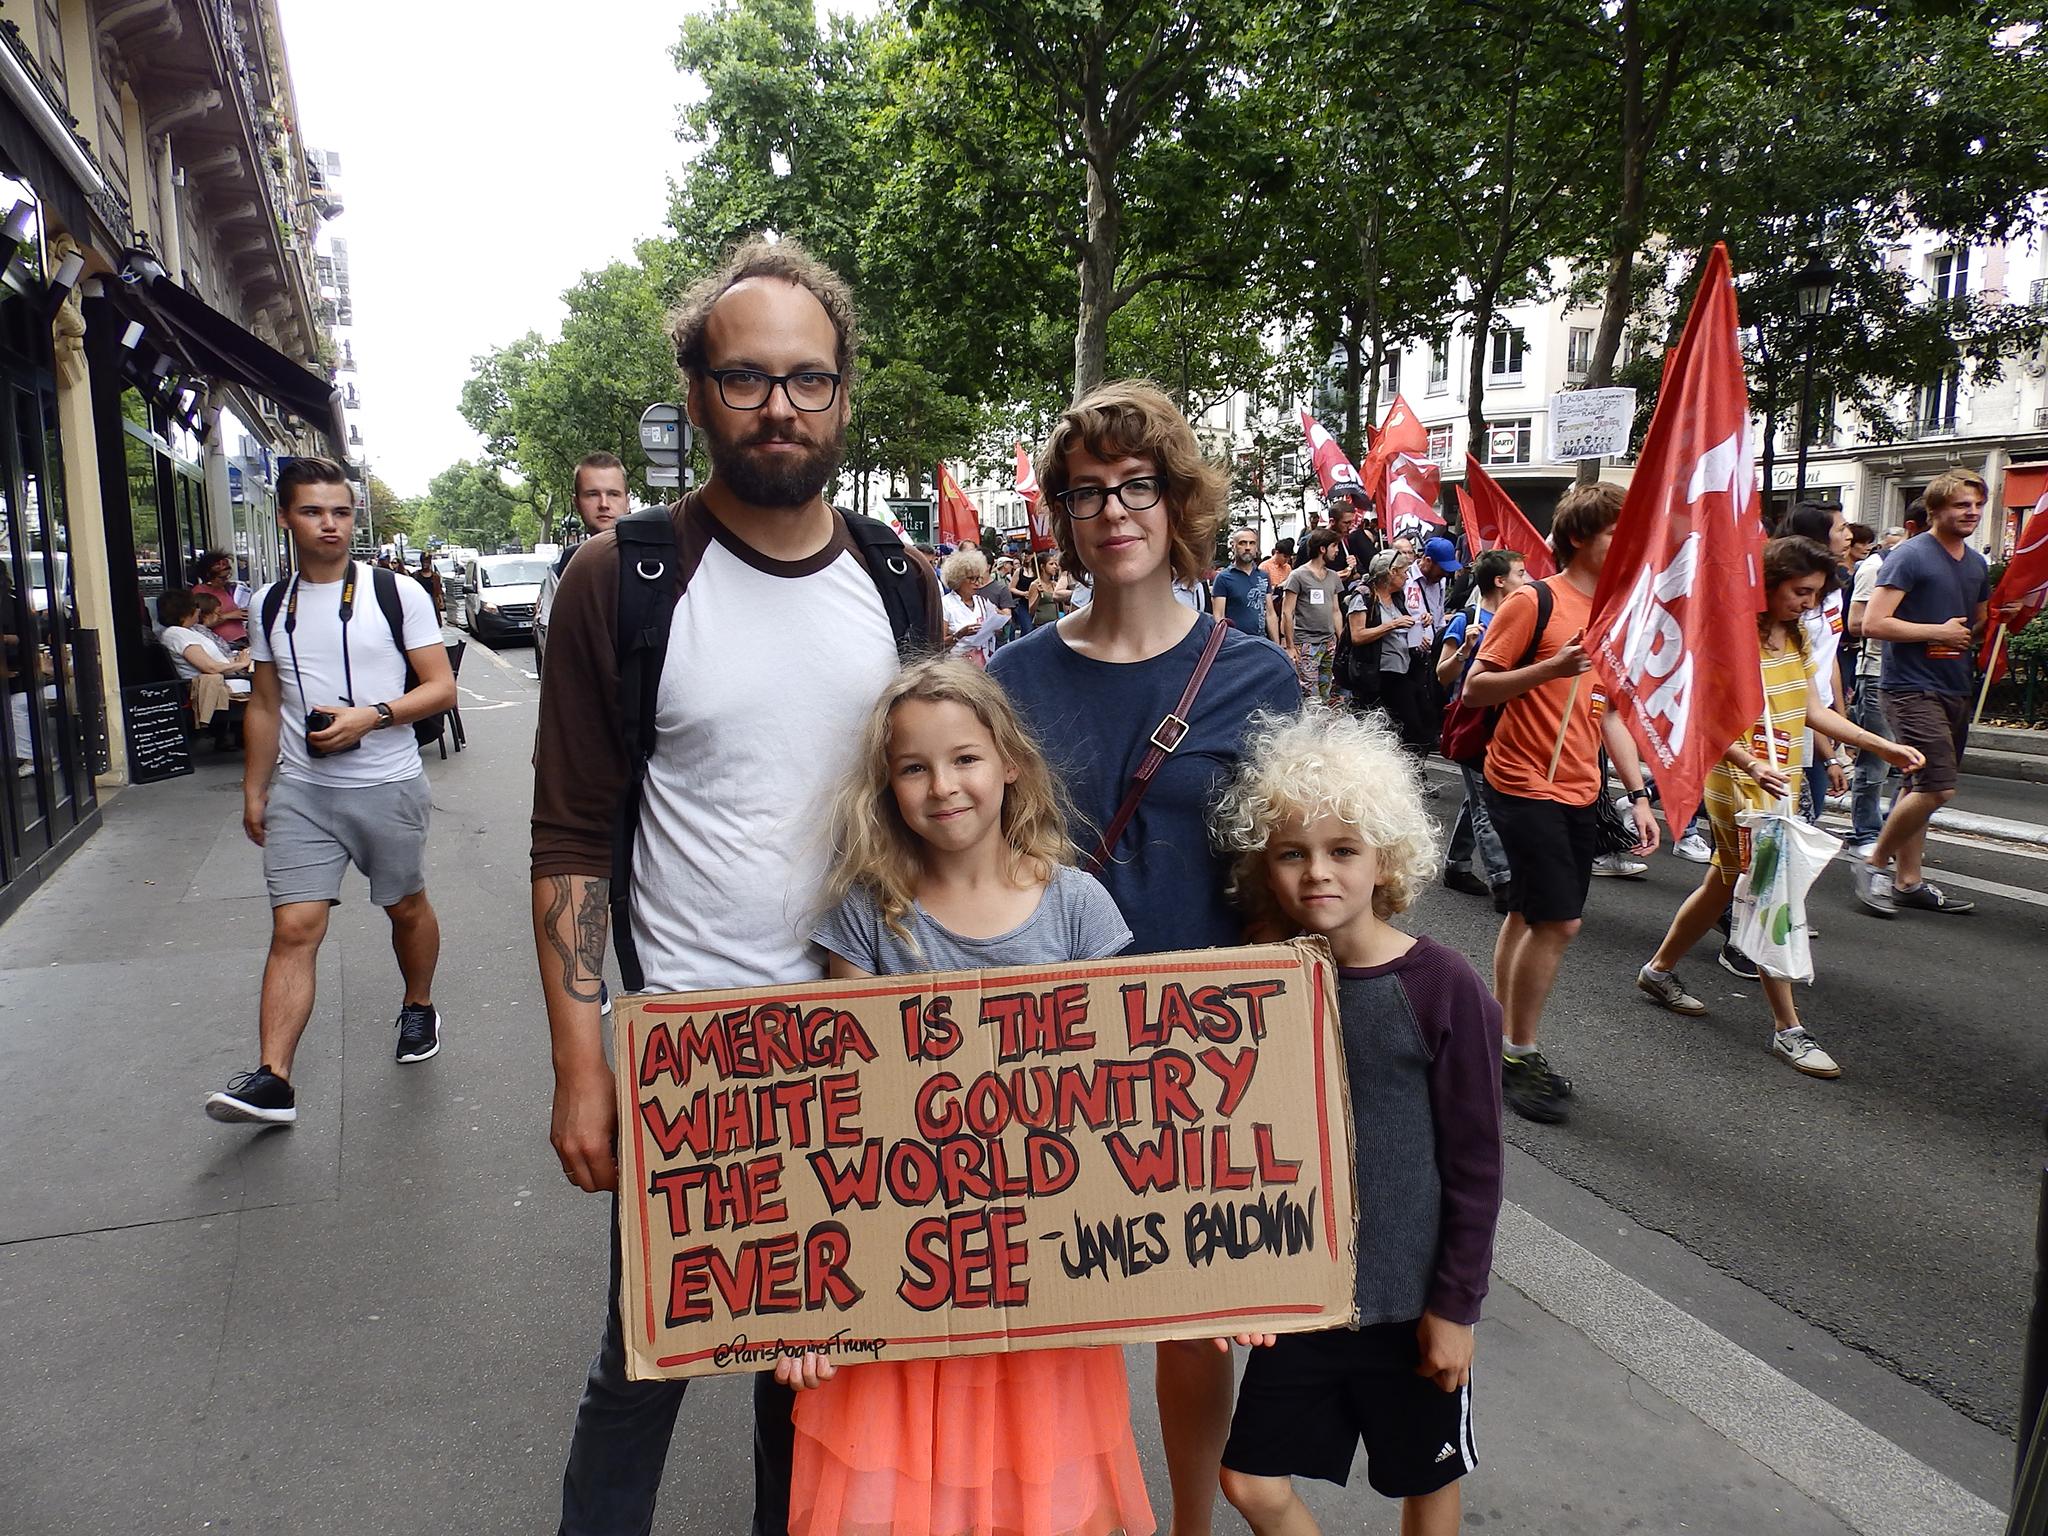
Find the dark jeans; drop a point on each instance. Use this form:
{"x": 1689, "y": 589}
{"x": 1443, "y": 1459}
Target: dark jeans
{"x": 622, "y": 1433}
{"x": 1400, "y": 699}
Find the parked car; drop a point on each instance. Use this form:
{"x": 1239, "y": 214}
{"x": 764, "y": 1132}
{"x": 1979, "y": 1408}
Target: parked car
{"x": 501, "y": 591}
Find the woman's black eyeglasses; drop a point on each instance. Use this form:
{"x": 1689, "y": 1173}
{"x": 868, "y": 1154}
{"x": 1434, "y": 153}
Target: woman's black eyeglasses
{"x": 748, "y": 389}
{"x": 1085, "y": 501}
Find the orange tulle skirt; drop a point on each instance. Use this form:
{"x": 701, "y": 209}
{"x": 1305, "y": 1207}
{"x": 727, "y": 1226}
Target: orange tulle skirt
{"x": 1036, "y": 1443}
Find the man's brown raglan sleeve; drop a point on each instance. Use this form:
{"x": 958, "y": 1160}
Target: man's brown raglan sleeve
{"x": 579, "y": 758}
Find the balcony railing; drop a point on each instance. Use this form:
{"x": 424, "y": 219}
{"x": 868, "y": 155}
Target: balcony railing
{"x": 2041, "y": 418}
{"x": 1935, "y": 426}
{"x": 2038, "y": 293}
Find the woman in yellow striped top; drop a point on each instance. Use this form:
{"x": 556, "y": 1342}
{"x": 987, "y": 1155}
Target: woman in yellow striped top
{"x": 1756, "y": 773}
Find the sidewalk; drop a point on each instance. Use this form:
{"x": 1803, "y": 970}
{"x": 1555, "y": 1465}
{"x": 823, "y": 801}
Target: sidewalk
{"x": 379, "y": 1320}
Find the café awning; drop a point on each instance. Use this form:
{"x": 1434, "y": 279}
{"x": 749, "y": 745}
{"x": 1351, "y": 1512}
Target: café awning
{"x": 215, "y": 346}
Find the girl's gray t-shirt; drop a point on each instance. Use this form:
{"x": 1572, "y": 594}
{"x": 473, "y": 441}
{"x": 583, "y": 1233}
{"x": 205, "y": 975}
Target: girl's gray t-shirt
{"x": 1076, "y": 919}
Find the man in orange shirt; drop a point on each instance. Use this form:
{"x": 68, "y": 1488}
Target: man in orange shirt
{"x": 1547, "y": 818}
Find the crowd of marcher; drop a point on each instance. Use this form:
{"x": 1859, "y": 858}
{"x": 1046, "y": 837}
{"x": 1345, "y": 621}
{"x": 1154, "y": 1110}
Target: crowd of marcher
{"x": 1110, "y": 747}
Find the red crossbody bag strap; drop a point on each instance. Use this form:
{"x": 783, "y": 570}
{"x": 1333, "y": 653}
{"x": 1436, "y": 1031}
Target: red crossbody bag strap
{"x": 1166, "y": 736}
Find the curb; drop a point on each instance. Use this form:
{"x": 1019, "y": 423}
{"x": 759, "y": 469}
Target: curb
{"x": 1995, "y": 763}
{"x": 1974, "y": 825}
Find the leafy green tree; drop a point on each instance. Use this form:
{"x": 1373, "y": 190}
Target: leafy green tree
{"x": 472, "y": 504}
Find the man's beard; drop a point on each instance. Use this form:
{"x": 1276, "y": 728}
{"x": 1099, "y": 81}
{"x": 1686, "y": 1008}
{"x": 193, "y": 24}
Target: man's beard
{"x": 783, "y": 482}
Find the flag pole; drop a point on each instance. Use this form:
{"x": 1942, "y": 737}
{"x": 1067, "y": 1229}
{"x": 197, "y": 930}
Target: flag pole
{"x": 1997, "y": 642}
{"x": 1563, "y": 725}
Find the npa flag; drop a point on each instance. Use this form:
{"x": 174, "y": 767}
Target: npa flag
{"x": 1332, "y": 468}
{"x": 1401, "y": 433}
{"x": 1673, "y": 632}
{"x": 1034, "y": 503}
{"x": 958, "y": 522}
{"x": 2022, "y": 591}
{"x": 1413, "y": 486}
{"x": 1493, "y": 521}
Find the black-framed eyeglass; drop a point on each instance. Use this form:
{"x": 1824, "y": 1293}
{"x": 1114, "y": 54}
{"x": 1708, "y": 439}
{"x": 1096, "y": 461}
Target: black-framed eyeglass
{"x": 748, "y": 389}
{"x": 1139, "y": 494}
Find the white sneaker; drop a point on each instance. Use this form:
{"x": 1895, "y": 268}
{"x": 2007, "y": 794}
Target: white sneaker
{"x": 1619, "y": 866}
{"x": 1694, "y": 849}
{"x": 1797, "y": 1047}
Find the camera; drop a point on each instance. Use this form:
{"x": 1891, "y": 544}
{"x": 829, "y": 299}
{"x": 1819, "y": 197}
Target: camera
{"x": 319, "y": 720}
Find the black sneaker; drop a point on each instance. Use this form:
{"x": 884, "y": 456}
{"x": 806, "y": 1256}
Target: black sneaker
{"x": 1736, "y": 963}
{"x": 1532, "y": 1090}
{"x": 419, "y": 1032}
{"x": 1459, "y": 878}
{"x": 1929, "y": 897}
{"x": 260, "y": 1097}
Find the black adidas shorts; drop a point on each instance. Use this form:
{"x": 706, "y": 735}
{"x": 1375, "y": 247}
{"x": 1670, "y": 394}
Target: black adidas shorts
{"x": 1305, "y": 1404}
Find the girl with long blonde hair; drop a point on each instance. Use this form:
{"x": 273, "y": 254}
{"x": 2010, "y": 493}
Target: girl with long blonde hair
{"x": 951, "y": 853}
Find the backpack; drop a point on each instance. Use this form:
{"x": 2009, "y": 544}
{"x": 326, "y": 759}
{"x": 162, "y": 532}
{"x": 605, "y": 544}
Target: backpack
{"x": 650, "y": 586}
{"x": 1356, "y": 668}
{"x": 1467, "y": 730}
{"x": 385, "y": 584}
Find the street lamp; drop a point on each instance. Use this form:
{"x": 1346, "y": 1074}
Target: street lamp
{"x": 1813, "y": 289}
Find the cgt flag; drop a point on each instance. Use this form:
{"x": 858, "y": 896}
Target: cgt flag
{"x": 1493, "y": 521}
{"x": 1332, "y": 468}
{"x": 1413, "y": 487}
{"x": 1034, "y": 503}
{"x": 958, "y": 522}
{"x": 2022, "y": 591}
{"x": 1673, "y": 632}
{"x": 1401, "y": 433}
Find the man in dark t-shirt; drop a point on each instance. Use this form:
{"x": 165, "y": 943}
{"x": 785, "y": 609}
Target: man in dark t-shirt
{"x": 1241, "y": 593}
{"x": 1928, "y": 609}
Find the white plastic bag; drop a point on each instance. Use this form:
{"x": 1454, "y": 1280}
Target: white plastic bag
{"x": 1786, "y": 856}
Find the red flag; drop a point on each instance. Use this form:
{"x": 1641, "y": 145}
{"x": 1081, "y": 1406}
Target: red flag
{"x": 1673, "y": 633}
{"x": 2022, "y": 591}
{"x": 1332, "y": 468}
{"x": 1413, "y": 487}
{"x": 959, "y": 523}
{"x": 1469, "y": 520}
{"x": 1495, "y": 522}
{"x": 1034, "y": 503}
{"x": 1401, "y": 433}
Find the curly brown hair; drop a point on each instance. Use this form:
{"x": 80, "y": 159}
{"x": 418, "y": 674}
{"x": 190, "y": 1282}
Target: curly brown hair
{"x": 782, "y": 259}
{"x": 1133, "y": 419}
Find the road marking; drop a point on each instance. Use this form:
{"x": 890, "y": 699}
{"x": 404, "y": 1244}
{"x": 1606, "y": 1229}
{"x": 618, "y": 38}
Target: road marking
{"x": 1874, "y": 1485}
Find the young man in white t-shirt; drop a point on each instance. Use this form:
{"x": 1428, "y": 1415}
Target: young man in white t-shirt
{"x": 329, "y": 691}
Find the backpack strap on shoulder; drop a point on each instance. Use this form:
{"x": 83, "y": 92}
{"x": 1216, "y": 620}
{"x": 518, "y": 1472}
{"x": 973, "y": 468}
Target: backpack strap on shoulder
{"x": 900, "y": 576}
{"x": 385, "y": 584}
{"x": 1544, "y": 602}
{"x": 650, "y": 583}
{"x": 273, "y": 605}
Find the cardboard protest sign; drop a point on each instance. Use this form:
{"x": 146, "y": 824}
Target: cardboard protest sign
{"x": 1145, "y": 1147}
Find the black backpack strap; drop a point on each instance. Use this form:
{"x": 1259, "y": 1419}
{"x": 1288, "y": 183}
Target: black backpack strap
{"x": 907, "y": 586}
{"x": 273, "y": 605}
{"x": 385, "y": 584}
{"x": 1544, "y": 602}
{"x": 650, "y": 584}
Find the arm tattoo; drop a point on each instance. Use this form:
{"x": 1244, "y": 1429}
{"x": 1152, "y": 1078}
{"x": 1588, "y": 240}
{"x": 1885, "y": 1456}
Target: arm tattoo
{"x": 582, "y": 966}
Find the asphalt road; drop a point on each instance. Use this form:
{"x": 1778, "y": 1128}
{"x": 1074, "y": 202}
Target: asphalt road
{"x": 1893, "y": 1207}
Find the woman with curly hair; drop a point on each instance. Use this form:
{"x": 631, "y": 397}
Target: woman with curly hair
{"x": 1135, "y": 505}
{"x": 1326, "y": 823}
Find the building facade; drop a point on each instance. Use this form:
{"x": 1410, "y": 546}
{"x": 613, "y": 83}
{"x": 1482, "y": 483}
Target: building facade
{"x": 161, "y": 349}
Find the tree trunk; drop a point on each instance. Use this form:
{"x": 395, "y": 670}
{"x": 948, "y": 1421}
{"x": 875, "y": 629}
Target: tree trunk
{"x": 1375, "y": 321}
{"x": 1626, "y": 237}
{"x": 1475, "y": 375}
{"x": 1100, "y": 242}
{"x": 1352, "y": 339}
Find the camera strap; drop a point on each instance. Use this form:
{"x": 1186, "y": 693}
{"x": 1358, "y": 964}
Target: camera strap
{"x": 291, "y": 629}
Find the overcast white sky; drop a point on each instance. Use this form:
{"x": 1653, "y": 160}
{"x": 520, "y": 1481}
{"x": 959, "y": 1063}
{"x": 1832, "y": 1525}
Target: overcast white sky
{"x": 490, "y": 153}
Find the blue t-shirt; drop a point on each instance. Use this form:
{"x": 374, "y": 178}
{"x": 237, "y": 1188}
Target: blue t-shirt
{"x": 1094, "y": 720}
{"x": 1244, "y": 595}
{"x": 1934, "y": 587}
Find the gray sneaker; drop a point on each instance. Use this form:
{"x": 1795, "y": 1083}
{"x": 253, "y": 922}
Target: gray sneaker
{"x": 1668, "y": 990}
{"x": 1802, "y": 1051}
{"x": 1874, "y": 888}
{"x": 1928, "y": 897}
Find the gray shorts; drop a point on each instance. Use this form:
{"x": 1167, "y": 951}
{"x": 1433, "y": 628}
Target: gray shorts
{"x": 312, "y": 833}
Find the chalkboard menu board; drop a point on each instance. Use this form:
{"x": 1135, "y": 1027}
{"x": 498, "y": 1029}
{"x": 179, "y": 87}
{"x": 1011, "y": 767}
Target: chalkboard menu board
{"x": 155, "y": 717}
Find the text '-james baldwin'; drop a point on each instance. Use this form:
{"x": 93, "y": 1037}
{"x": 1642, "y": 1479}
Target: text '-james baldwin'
{"x": 988, "y": 1152}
